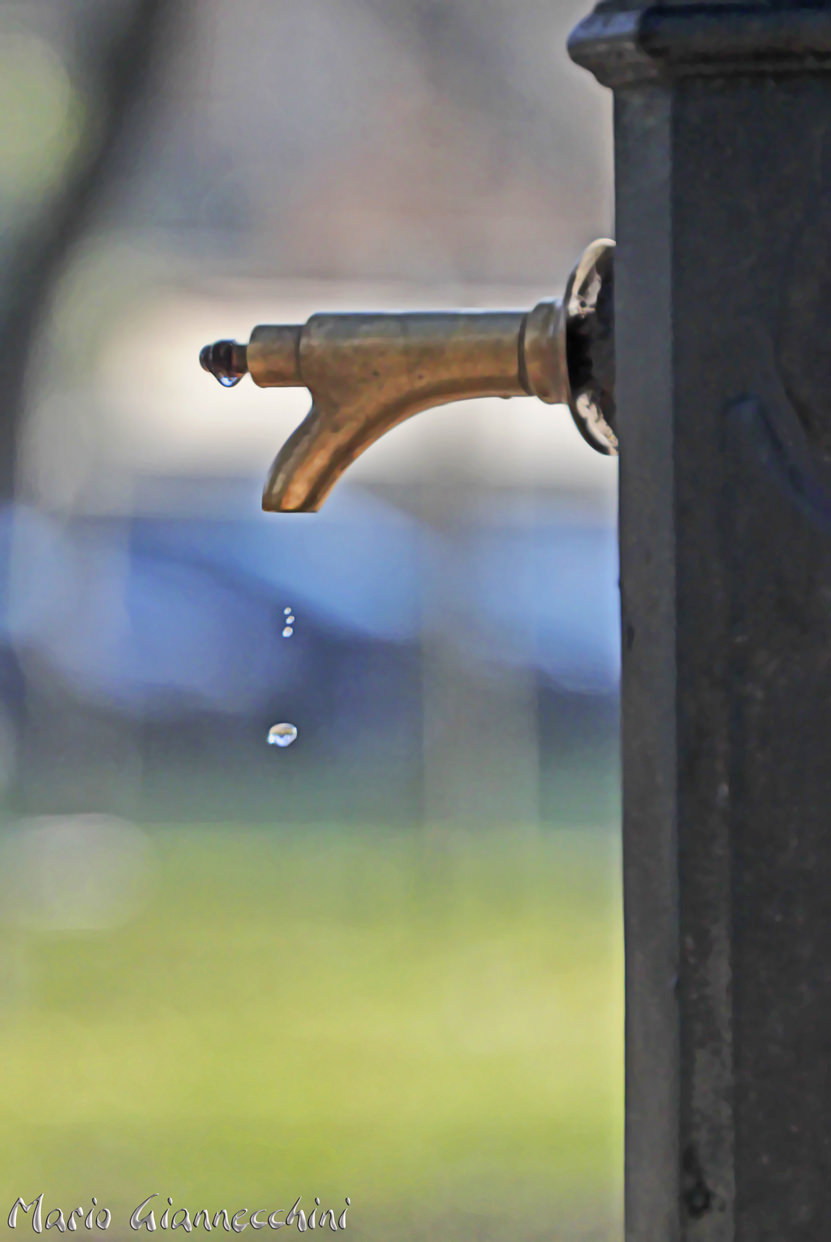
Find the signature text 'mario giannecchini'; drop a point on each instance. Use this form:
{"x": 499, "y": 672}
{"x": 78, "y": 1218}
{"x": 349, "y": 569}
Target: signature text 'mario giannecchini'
{"x": 147, "y": 1216}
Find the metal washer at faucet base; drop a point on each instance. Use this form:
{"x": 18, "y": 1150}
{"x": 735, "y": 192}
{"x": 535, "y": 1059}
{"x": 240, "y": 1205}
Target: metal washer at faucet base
{"x": 589, "y": 306}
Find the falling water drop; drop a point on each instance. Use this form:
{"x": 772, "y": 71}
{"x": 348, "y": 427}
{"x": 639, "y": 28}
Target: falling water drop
{"x": 290, "y": 620}
{"x": 229, "y": 381}
{"x": 287, "y": 632}
{"x": 287, "y": 611}
{"x": 282, "y": 734}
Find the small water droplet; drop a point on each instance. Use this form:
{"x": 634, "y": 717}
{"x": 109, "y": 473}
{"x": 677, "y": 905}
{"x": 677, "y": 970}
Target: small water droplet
{"x": 282, "y": 734}
{"x": 290, "y": 620}
{"x": 287, "y": 632}
{"x": 286, "y": 611}
{"x": 229, "y": 381}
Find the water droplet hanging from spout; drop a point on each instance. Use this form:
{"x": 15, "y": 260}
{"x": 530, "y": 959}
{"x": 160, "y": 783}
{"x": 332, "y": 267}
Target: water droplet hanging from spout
{"x": 226, "y": 361}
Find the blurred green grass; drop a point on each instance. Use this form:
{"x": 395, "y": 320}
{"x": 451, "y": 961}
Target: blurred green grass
{"x": 429, "y": 1022}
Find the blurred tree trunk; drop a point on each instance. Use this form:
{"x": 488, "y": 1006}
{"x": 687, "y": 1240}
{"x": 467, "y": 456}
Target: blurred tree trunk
{"x": 122, "y": 51}
{"x": 119, "y": 67}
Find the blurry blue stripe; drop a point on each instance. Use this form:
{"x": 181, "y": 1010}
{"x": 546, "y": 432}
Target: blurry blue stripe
{"x": 162, "y": 614}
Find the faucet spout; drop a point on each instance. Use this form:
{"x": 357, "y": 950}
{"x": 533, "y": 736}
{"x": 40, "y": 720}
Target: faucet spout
{"x": 369, "y": 372}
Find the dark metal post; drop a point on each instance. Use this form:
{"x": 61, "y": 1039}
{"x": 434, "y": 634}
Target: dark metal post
{"x": 723, "y": 284}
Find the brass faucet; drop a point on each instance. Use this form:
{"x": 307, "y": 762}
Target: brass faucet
{"x": 369, "y": 372}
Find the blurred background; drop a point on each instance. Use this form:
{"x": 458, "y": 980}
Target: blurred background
{"x": 384, "y": 962}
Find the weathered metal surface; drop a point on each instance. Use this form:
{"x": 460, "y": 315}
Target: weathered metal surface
{"x": 723, "y": 277}
{"x": 623, "y": 42}
{"x": 369, "y": 372}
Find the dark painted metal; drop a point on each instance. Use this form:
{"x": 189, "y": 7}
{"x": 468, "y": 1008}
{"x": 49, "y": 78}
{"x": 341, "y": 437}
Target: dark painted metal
{"x": 723, "y": 279}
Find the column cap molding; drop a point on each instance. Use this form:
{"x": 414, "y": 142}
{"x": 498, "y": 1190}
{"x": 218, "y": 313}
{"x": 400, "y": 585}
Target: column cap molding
{"x": 658, "y": 42}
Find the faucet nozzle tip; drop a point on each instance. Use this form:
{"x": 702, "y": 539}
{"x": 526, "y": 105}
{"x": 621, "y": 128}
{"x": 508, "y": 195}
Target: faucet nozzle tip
{"x": 226, "y": 361}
